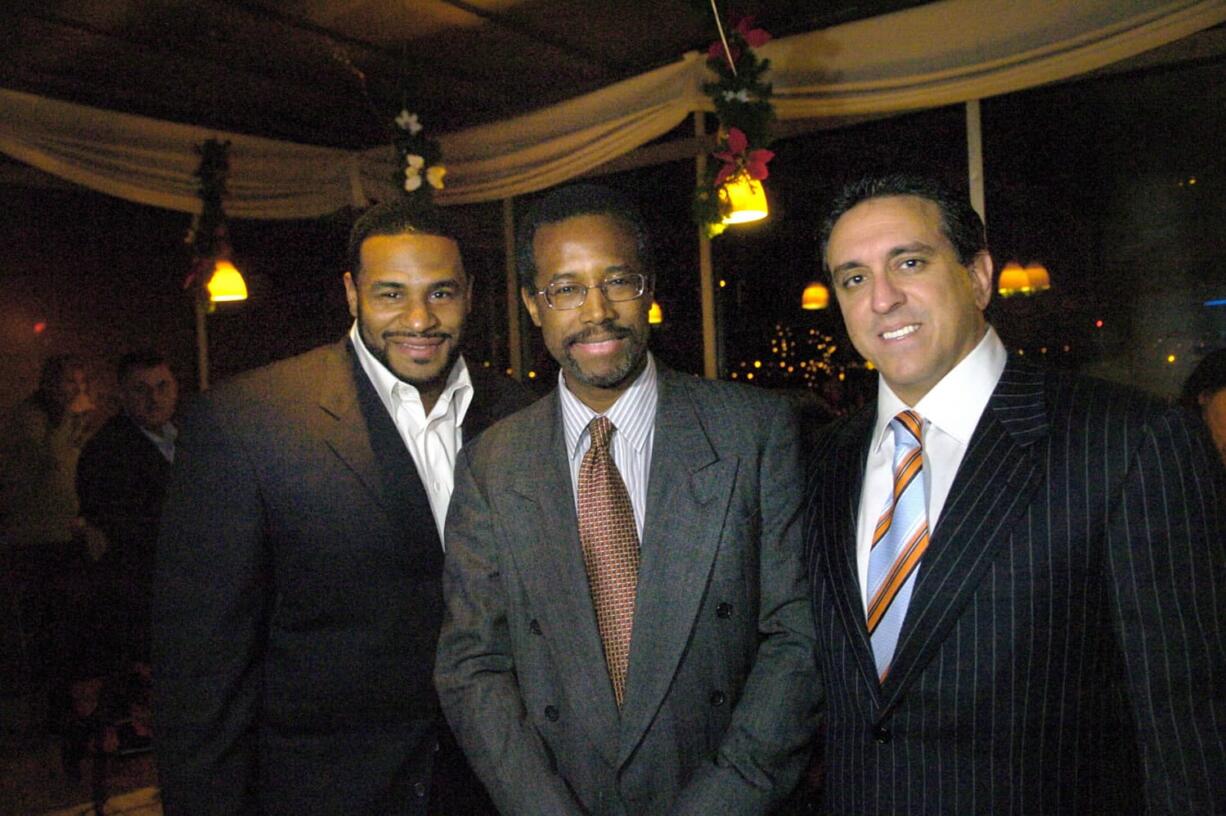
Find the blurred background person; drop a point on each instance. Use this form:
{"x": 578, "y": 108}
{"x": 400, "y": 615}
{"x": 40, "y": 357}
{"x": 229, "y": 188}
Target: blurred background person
{"x": 121, "y": 481}
{"x": 47, "y": 542}
{"x": 1204, "y": 394}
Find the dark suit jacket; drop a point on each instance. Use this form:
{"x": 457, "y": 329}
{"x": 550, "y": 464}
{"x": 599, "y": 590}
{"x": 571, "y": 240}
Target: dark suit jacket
{"x": 720, "y": 695}
{"x": 1064, "y": 648}
{"x": 121, "y": 483}
{"x": 297, "y": 597}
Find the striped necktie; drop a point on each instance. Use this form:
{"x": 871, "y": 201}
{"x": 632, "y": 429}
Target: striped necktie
{"x": 899, "y": 541}
{"x": 610, "y": 542}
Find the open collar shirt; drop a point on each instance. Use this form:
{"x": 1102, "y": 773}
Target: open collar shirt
{"x": 634, "y": 417}
{"x": 434, "y": 440}
{"x": 950, "y": 411}
{"x": 164, "y": 439}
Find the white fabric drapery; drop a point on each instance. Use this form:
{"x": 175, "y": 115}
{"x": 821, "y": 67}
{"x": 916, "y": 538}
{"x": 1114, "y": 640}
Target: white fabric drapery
{"x": 932, "y": 55}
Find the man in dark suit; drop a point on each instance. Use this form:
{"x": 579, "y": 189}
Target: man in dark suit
{"x": 297, "y": 595}
{"x": 1017, "y": 574}
{"x": 582, "y": 673}
{"x": 121, "y": 483}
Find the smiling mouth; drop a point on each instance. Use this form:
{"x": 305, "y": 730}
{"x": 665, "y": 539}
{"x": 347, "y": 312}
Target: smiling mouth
{"x": 417, "y": 345}
{"x": 598, "y": 341}
{"x": 897, "y": 334}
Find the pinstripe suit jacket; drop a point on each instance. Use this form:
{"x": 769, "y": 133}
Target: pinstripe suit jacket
{"x": 1063, "y": 651}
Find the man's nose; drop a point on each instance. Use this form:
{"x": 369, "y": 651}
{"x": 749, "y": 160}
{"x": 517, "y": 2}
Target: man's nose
{"x": 419, "y": 316}
{"x": 885, "y": 294}
{"x": 596, "y": 307}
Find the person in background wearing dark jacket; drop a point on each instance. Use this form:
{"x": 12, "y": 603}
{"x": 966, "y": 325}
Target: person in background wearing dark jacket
{"x": 1204, "y": 394}
{"x": 121, "y": 482}
{"x": 297, "y": 594}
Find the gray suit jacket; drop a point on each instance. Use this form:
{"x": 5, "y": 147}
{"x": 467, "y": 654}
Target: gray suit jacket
{"x": 720, "y": 696}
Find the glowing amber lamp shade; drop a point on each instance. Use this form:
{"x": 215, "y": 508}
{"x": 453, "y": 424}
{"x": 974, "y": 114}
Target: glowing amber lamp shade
{"x": 655, "y": 315}
{"x": 816, "y": 296}
{"x": 1038, "y": 278}
{"x": 226, "y": 283}
{"x": 1013, "y": 280}
{"x": 745, "y": 200}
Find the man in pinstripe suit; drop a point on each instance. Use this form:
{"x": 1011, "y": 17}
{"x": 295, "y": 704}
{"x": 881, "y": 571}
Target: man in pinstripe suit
{"x": 1058, "y": 598}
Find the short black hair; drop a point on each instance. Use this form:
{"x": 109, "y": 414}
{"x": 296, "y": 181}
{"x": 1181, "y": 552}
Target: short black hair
{"x": 396, "y": 217}
{"x": 138, "y": 359}
{"x": 1206, "y": 379}
{"x": 959, "y": 221}
{"x": 576, "y": 200}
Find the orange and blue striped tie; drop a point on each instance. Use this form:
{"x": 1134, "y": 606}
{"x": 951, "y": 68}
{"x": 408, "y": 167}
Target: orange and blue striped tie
{"x": 899, "y": 541}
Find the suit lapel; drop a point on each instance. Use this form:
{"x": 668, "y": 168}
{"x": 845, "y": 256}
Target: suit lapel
{"x": 544, "y": 532}
{"x": 998, "y": 475}
{"x": 842, "y": 509}
{"x": 688, "y": 495}
{"x": 342, "y": 424}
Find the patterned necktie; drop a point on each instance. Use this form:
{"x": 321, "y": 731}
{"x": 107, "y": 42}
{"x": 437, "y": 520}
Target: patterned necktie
{"x": 610, "y": 550}
{"x": 899, "y": 541}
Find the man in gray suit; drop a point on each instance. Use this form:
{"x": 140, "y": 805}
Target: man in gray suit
{"x": 687, "y": 687}
{"x": 1055, "y": 645}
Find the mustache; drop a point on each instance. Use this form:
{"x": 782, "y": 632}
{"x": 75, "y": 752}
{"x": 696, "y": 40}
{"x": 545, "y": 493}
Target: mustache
{"x": 389, "y": 335}
{"x": 608, "y": 331}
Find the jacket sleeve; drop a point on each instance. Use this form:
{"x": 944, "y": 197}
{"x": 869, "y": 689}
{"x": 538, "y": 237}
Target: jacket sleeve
{"x": 1166, "y": 561}
{"x": 475, "y": 669}
{"x": 768, "y": 741}
{"x": 209, "y": 616}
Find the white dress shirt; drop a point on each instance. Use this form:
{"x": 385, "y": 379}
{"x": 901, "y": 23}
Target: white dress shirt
{"x": 950, "y": 411}
{"x": 433, "y": 440}
{"x": 634, "y": 417}
{"x": 164, "y": 438}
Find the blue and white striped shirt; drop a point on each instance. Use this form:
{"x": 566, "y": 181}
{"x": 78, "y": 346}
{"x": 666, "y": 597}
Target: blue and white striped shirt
{"x": 633, "y": 415}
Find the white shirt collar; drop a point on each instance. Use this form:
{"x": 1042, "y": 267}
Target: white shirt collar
{"x": 956, "y": 402}
{"x": 457, "y": 393}
{"x": 632, "y": 414}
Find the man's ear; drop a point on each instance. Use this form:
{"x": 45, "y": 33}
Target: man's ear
{"x": 981, "y": 271}
{"x": 532, "y": 304}
{"x": 351, "y": 293}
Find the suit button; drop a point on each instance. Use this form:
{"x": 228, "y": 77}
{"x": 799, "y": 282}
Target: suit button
{"x": 420, "y": 790}
{"x": 881, "y": 734}
{"x": 717, "y": 698}
{"x": 551, "y": 713}
{"x": 534, "y": 626}
{"x": 724, "y": 610}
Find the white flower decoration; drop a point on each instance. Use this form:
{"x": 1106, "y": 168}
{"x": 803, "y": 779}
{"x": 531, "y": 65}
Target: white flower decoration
{"x": 408, "y": 121}
{"x": 741, "y": 95}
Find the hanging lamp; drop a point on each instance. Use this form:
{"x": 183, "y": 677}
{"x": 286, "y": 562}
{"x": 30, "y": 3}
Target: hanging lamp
{"x": 1013, "y": 280}
{"x": 816, "y": 296}
{"x": 745, "y": 198}
{"x": 226, "y": 283}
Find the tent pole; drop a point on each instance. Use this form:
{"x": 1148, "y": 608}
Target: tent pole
{"x": 202, "y": 341}
{"x": 706, "y": 274}
{"x": 974, "y": 157}
{"x": 515, "y": 349}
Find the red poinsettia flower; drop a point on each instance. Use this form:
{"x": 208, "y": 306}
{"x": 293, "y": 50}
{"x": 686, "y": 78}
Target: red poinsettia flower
{"x": 754, "y": 37}
{"x": 735, "y": 158}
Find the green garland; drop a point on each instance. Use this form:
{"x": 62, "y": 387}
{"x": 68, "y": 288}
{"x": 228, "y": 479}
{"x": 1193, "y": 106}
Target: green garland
{"x": 419, "y": 167}
{"x": 742, "y": 101}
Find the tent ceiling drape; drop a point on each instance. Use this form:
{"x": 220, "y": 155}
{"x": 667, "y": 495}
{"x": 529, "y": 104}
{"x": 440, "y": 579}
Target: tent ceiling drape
{"x": 935, "y": 54}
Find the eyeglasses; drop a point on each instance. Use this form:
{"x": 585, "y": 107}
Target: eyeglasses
{"x": 563, "y": 295}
